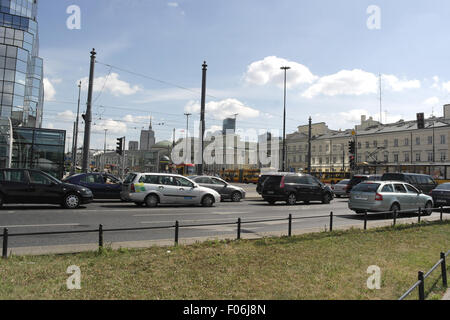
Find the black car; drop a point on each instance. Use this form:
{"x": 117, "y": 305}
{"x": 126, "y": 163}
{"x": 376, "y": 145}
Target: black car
{"x": 441, "y": 195}
{"x": 292, "y": 188}
{"x": 26, "y": 186}
{"x": 423, "y": 182}
{"x": 358, "y": 178}
{"x": 102, "y": 185}
{"x": 226, "y": 190}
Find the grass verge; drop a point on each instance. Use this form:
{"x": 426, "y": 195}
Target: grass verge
{"x": 314, "y": 266}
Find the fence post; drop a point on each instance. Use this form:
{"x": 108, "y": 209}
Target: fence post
{"x": 420, "y": 213}
{"x": 442, "y": 212}
{"x": 290, "y": 226}
{"x": 5, "y": 243}
{"x": 365, "y": 220}
{"x": 444, "y": 270}
{"x": 331, "y": 221}
{"x": 100, "y": 236}
{"x": 177, "y": 229}
{"x": 239, "y": 229}
{"x": 421, "y": 286}
{"x": 395, "y": 217}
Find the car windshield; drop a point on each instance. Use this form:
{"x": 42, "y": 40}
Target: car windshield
{"x": 445, "y": 186}
{"x": 344, "y": 182}
{"x": 367, "y": 187}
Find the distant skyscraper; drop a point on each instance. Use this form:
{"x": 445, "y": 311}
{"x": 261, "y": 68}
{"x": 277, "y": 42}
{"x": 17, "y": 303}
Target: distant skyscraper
{"x": 229, "y": 124}
{"x": 133, "y": 145}
{"x": 147, "y": 138}
{"x": 21, "y": 69}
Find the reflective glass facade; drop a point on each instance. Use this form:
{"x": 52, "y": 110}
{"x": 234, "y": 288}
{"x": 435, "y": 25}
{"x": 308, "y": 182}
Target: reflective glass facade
{"x": 41, "y": 149}
{"x": 5, "y": 143}
{"x": 21, "y": 69}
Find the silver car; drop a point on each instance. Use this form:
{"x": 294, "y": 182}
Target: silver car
{"x": 383, "y": 196}
{"x": 152, "y": 189}
{"x": 340, "y": 189}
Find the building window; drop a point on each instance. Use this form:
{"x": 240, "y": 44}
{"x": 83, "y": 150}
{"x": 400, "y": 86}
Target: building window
{"x": 334, "y": 159}
{"x": 395, "y": 142}
{"x": 407, "y": 157}
{"x": 430, "y": 156}
{"x": 359, "y": 145}
{"x": 443, "y": 139}
{"x": 367, "y": 145}
{"x": 430, "y": 140}
{"x": 320, "y": 149}
{"x": 417, "y": 141}
{"x": 418, "y": 156}
{"x": 395, "y": 157}
{"x": 443, "y": 156}
{"x": 386, "y": 143}
{"x": 386, "y": 157}
{"x": 375, "y": 143}
{"x": 406, "y": 142}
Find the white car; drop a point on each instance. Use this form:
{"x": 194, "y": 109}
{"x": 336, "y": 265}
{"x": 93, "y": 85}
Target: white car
{"x": 152, "y": 189}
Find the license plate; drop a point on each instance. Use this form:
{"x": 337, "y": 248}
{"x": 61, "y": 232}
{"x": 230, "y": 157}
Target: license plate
{"x": 441, "y": 200}
{"x": 361, "y": 198}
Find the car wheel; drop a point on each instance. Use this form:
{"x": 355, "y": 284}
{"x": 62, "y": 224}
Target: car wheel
{"x": 207, "y": 201}
{"x": 326, "y": 198}
{"x": 71, "y": 201}
{"x": 236, "y": 197}
{"x": 395, "y": 207}
{"x": 139, "y": 204}
{"x": 151, "y": 201}
{"x": 306, "y": 202}
{"x": 292, "y": 199}
{"x": 428, "y": 210}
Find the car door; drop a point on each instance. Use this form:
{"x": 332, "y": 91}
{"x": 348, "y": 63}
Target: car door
{"x": 414, "y": 196}
{"x": 405, "y": 200}
{"x": 15, "y": 186}
{"x": 221, "y": 187}
{"x": 315, "y": 189}
{"x": 46, "y": 190}
{"x": 170, "y": 190}
{"x": 186, "y": 191}
{"x": 95, "y": 183}
{"x": 112, "y": 187}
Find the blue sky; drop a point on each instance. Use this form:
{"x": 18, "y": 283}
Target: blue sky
{"x": 335, "y": 58}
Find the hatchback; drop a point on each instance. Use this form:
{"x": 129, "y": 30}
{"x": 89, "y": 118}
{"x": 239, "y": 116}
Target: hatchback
{"x": 292, "y": 188}
{"x": 24, "y": 186}
{"x": 383, "y": 196}
{"x": 152, "y": 189}
{"x": 226, "y": 190}
{"x": 102, "y": 185}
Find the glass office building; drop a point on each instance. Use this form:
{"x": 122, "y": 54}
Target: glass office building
{"x": 41, "y": 149}
{"x": 21, "y": 69}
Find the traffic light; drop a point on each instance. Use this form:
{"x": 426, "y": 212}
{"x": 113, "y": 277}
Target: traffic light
{"x": 420, "y": 121}
{"x": 119, "y": 148}
{"x": 351, "y": 147}
{"x": 352, "y": 162}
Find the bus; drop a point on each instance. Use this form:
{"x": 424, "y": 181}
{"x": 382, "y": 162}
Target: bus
{"x": 241, "y": 175}
{"x": 186, "y": 169}
{"x": 332, "y": 177}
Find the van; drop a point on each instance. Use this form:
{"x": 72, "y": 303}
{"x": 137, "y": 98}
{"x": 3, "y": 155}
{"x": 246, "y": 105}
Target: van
{"x": 423, "y": 182}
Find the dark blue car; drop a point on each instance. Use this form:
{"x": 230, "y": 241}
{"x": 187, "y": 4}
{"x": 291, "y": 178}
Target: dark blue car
{"x": 102, "y": 185}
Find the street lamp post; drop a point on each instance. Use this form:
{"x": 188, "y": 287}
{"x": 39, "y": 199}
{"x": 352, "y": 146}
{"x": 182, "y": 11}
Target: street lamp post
{"x": 284, "y": 120}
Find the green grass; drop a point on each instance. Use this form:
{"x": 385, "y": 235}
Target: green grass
{"x": 313, "y": 266}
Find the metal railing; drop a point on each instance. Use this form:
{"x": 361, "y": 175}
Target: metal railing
{"x": 239, "y": 223}
{"x": 421, "y": 278}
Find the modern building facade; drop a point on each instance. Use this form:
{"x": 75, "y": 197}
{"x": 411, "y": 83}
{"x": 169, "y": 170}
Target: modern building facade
{"x": 21, "y": 68}
{"x": 147, "y": 140}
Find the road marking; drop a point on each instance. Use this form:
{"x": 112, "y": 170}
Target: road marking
{"x": 221, "y": 219}
{"x": 42, "y": 225}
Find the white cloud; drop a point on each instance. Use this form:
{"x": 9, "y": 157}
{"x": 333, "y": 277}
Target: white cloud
{"x": 67, "y": 115}
{"x": 395, "y": 84}
{"x": 268, "y": 71}
{"x": 446, "y": 86}
{"x": 111, "y": 84}
{"x": 224, "y": 109}
{"x": 431, "y": 102}
{"x": 345, "y": 82}
{"x": 49, "y": 90}
{"x": 172, "y": 4}
{"x": 113, "y": 127}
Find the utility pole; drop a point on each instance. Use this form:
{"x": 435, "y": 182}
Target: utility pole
{"x": 104, "y": 152}
{"x": 284, "y": 121}
{"x": 75, "y": 140}
{"x": 309, "y": 145}
{"x": 187, "y": 138}
{"x": 202, "y": 117}
{"x": 88, "y": 115}
{"x": 74, "y": 149}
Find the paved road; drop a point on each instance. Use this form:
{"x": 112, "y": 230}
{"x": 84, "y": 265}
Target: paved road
{"x": 25, "y": 219}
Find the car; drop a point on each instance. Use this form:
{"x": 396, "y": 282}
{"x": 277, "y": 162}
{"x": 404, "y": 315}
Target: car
{"x": 102, "y": 185}
{"x": 441, "y": 195}
{"x": 340, "y": 189}
{"x": 358, "y": 178}
{"x": 423, "y": 182}
{"x": 292, "y": 187}
{"x": 226, "y": 190}
{"x": 152, "y": 189}
{"x": 27, "y": 186}
{"x": 384, "y": 196}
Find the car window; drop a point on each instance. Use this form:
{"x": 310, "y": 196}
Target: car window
{"x": 399, "y": 188}
{"x": 111, "y": 180}
{"x": 92, "y": 178}
{"x": 445, "y": 186}
{"x": 168, "y": 181}
{"x": 130, "y": 178}
{"x": 204, "y": 180}
{"x": 387, "y": 188}
{"x": 429, "y": 180}
{"x": 290, "y": 179}
{"x": 149, "y": 179}
{"x": 183, "y": 182}
{"x": 39, "y": 178}
{"x": 14, "y": 176}
{"x": 411, "y": 189}
{"x": 218, "y": 182}
{"x": 312, "y": 180}
{"x": 302, "y": 180}
{"x": 366, "y": 187}
{"x": 411, "y": 179}
{"x": 344, "y": 181}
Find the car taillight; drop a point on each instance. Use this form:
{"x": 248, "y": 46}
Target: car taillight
{"x": 378, "y": 197}
{"x": 132, "y": 189}
{"x": 282, "y": 183}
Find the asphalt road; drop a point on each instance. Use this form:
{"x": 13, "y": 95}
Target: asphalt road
{"x": 114, "y": 214}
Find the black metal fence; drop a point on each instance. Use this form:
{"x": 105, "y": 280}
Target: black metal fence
{"x": 239, "y": 223}
{"x": 422, "y": 276}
